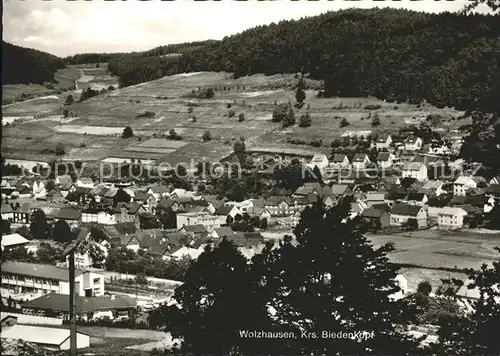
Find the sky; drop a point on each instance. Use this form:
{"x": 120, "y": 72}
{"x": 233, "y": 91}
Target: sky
{"x": 65, "y": 27}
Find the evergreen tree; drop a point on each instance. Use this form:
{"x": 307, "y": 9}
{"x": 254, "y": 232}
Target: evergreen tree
{"x": 300, "y": 94}
{"x": 475, "y": 334}
{"x": 127, "y": 132}
{"x": 305, "y": 120}
{"x": 62, "y": 232}
{"x": 39, "y": 228}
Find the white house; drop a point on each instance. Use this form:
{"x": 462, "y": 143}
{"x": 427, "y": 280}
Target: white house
{"x": 451, "y": 218}
{"x": 415, "y": 170}
{"x": 339, "y": 161}
{"x": 383, "y": 142}
{"x": 39, "y": 190}
{"x": 198, "y": 218}
{"x": 320, "y": 161}
{"x": 360, "y": 161}
{"x": 413, "y": 144}
{"x": 98, "y": 216}
{"x": 464, "y": 183}
{"x": 385, "y": 159}
{"x": 227, "y": 210}
{"x": 434, "y": 186}
{"x": 402, "y": 213}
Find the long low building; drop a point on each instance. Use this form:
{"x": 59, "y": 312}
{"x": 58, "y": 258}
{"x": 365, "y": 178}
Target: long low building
{"x": 49, "y": 338}
{"x": 57, "y": 305}
{"x": 40, "y": 279}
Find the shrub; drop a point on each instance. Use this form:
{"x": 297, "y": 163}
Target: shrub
{"x": 372, "y": 107}
{"x": 305, "y": 120}
{"x": 59, "y": 151}
{"x": 127, "y": 132}
{"x": 190, "y": 109}
{"x": 344, "y": 122}
{"x": 229, "y": 105}
{"x": 231, "y": 113}
{"x": 241, "y": 117}
{"x": 375, "y": 121}
{"x": 207, "y": 136}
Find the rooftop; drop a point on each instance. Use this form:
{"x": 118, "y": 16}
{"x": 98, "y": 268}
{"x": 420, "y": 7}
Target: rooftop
{"x": 37, "y": 270}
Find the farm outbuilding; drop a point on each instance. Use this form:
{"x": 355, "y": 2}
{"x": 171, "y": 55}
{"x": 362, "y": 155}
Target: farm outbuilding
{"x": 50, "y": 338}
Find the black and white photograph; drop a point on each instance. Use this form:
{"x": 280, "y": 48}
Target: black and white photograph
{"x": 250, "y": 178}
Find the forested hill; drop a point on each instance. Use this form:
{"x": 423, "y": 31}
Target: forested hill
{"x": 25, "y": 65}
{"x": 446, "y": 59}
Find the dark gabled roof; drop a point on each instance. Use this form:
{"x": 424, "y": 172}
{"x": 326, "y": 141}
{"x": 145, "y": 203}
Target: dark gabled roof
{"x": 60, "y": 302}
{"x": 117, "y": 230}
{"x": 385, "y": 207}
{"x": 6, "y": 208}
{"x": 196, "y": 229}
{"x": 224, "y": 231}
{"x": 395, "y": 195}
{"x": 475, "y": 200}
{"x": 253, "y": 236}
{"x": 383, "y": 156}
{"x": 224, "y": 210}
{"x": 167, "y": 203}
{"x": 37, "y": 270}
{"x": 159, "y": 189}
{"x": 373, "y": 213}
{"x": 83, "y": 190}
{"x": 438, "y": 202}
{"x": 69, "y": 214}
{"x": 405, "y": 209}
{"x": 338, "y": 158}
{"x": 53, "y": 192}
{"x": 359, "y": 157}
{"x": 415, "y": 196}
{"x": 141, "y": 196}
{"x": 339, "y": 189}
{"x": 493, "y": 189}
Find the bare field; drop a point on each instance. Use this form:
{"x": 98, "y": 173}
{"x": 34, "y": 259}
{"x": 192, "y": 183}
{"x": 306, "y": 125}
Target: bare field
{"x": 446, "y": 252}
{"x": 169, "y": 98}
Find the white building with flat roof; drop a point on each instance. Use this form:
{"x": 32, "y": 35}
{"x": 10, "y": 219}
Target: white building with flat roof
{"x": 198, "y": 218}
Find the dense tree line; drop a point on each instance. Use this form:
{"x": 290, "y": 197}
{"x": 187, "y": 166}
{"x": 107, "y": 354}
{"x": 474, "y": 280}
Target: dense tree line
{"x": 447, "y": 59}
{"x": 25, "y": 65}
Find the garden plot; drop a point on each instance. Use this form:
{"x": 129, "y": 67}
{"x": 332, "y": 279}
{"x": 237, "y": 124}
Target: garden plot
{"x": 126, "y": 160}
{"x": 163, "y": 143}
{"x": 149, "y": 149}
{"x": 90, "y": 130}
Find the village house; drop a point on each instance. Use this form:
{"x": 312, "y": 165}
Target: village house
{"x": 360, "y": 161}
{"x": 379, "y": 218}
{"x": 225, "y": 211}
{"x": 414, "y": 198}
{"x": 385, "y": 159}
{"x": 88, "y": 308}
{"x": 339, "y": 161}
{"x": 413, "y": 144}
{"x": 98, "y": 215}
{"x": 182, "y": 194}
{"x": 39, "y": 189}
{"x": 22, "y": 191}
{"x": 318, "y": 160}
{"x": 72, "y": 216}
{"x": 492, "y": 193}
{"x": 148, "y": 201}
{"x": 415, "y": 170}
{"x": 433, "y": 188}
{"x": 279, "y": 206}
{"x": 463, "y": 183}
{"x": 171, "y": 204}
{"x": 221, "y": 232}
{"x": 85, "y": 182}
{"x": 206, "y": 219}
{"x": 383, "y": 142}
{"x": 55, "y": 196}
{"x": 83, "y": 256}
{"x": 22, "y": 214}
{"x": 159, "y": 191}
{"x": 401, "y": 213}
{"x": 7, "y": 212}
{"x": 373, "y": 198}
{"x": 451, "y": 218}
{"x": 434, "y": 206}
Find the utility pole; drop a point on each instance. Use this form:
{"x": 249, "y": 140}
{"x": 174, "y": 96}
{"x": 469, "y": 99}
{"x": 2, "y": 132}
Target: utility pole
{"x": 70, "y": 252}
{"x": 72, "y": 304}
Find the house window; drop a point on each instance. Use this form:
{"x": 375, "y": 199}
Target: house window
{"x": 97, "y": 280}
